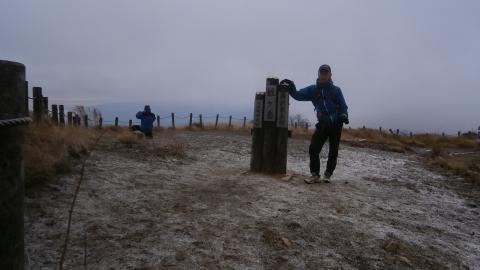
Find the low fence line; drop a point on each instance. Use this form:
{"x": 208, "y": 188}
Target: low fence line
{"x": 57, "y": 115}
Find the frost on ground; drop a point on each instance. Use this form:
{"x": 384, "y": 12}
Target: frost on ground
{"x": 202, "y": 210}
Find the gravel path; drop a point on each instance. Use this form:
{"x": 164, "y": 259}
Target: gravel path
{"x": 139, "y": 208}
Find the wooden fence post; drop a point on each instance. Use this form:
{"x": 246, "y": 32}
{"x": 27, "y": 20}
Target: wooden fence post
{"x": 458, "y": 133}
{"x": 269, "y": 129}
{"x": 45, "y": 106}
{"x": 158, "y": 121}
{"x": 230, "y": 121}
{"x": 244, "y": 121}
{"x": 69, "y": 119}
{"x": 130, "y": 123}
{"x": 190, "y": 121}
{"x": 61, "y": 115}
{"x": 478, "y": 135}
{"x": 380, "y": 129}
{"x": 55, "y": 114}
{"x": 116, "y": 121}
{"x": 201, "y": 121}
{"x": 85, "y": 120}
{"x": 37, "y": 103}
{"x": 398, "y": 131}
{"x": 173, "y": 120}
{"x": 216, "y": 120}
{"x": 12, "y": 104}
{"x": 257, "y": 133}
{"x": 100, "y": 122}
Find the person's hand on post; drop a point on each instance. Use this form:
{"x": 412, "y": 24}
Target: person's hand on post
{"x": 343, "y": 118}
{"x": 290, "y": 85}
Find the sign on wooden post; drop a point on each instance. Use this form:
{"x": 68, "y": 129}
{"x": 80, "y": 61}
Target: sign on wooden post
{"x": 257, "y": 134}
{"x": 269, "y": 126}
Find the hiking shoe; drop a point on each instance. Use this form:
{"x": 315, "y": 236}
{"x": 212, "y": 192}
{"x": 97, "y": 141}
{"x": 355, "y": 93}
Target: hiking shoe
{"x": 326, "y": 177}
{"x": 315, "y": 178}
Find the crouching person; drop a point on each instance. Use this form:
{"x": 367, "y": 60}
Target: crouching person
{"x": 147, "y": 118}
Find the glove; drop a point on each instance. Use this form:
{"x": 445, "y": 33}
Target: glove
{"x": 343, "y": 118}
{"x": 290, "y": 85}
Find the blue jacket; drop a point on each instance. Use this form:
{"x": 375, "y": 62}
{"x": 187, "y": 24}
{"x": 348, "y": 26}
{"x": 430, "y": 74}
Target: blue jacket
{"x": 146, "y": 120}
{"x": 327, "y": 99}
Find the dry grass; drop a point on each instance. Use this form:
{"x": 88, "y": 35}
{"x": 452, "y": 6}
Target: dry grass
{"x": 168, "y": 148}
{"x": 50, "y": 150}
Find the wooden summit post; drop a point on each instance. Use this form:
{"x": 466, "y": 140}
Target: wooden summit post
{"x": 257, "y": 134}
{"x": 12, "y": 113}
{"x": 280, "y": 165}
{"x": 269, "y": 129}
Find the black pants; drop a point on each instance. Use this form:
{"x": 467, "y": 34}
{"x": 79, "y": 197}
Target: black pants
{"x": 147, "y": 134}
{"x": 323, "y": 132}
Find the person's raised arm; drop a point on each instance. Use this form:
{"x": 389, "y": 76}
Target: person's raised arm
{"x": 139, "y": 115}
{"x": 304, "y": 94}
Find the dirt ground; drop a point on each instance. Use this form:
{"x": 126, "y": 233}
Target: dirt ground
{"x": 142, "y": 208}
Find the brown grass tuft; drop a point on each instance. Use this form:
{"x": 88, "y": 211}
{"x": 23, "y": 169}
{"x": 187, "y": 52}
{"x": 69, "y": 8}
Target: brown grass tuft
{"x": 50, "y": 150}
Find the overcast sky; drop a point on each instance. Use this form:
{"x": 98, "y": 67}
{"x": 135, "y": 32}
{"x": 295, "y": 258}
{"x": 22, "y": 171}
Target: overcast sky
{"x": 413, "y": 65}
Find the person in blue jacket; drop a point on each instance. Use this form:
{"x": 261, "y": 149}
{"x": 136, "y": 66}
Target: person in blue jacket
{"x": 147, "y": 118}
{"x": 332, "y": 113}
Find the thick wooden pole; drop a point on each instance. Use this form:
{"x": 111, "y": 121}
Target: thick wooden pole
{"x": 61, "y": 115}
{"x": 37, "y": 103}
{"x": 190, "y": 121}
{"x": 201, "y": 121}
{"x": 269, "y": 129}
{"x": 69, "y": 119}
{"x": 130, "y": 123}
{"x": 216, "y": 120}
{"x": 244, "y": 121}
{"x": 12, "y": 105}
{"x": 116, "y": 122}
{"x": 173, "y": 120}
{"x": 100, "y": 122}
{"x": 55, "y": 114}
{"x": 158, "y": 121}
{"x": 85, "y": 120}
{"x": 257, "y": 134}
{"x": 280, "y": 165}
{"x": 230, "y": 121}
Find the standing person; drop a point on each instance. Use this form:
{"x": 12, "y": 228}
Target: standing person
{"x": 331, "y": 111}
{"x": 147, "y": 118}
